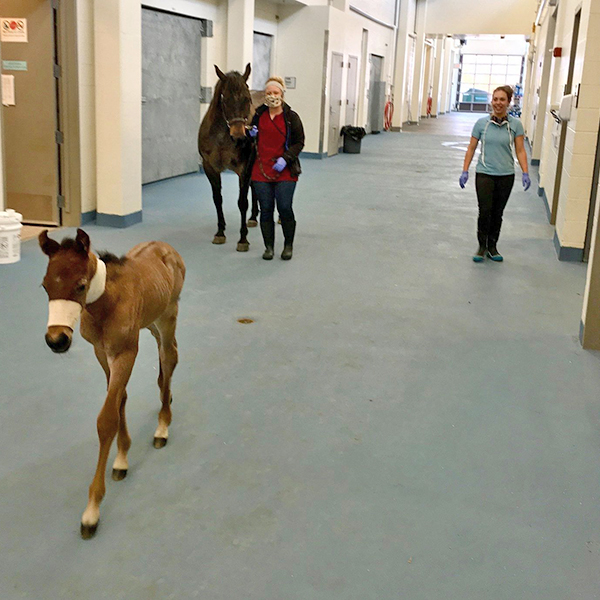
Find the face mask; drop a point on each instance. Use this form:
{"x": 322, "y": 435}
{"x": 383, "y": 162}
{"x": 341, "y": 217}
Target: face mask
{"x": 273, "y": 101}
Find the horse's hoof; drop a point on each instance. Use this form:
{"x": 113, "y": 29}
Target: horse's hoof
{"x": 252, "y": 223}
{"x": 219, "y": 239}
{"x": 88, "y": 531}
{"x": 160, "y": 442}
{"x": 243, "y": 246}
{"x": 119, "y": 474}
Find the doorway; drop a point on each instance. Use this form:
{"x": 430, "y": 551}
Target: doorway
{"x": 32, "y": 135}
{"x": 335, "y": 103}
{"x": 351, "y": 85}
{"x": 563, "y": 126}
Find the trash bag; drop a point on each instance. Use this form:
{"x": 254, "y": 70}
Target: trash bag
{"x": 355, "y": 133}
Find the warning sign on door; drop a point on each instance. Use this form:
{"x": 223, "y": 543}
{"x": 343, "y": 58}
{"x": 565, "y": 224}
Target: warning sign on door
{"x": 13, "y": 30}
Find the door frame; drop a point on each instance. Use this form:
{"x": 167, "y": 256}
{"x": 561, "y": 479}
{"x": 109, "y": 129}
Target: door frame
{"x": 68, "y": 110}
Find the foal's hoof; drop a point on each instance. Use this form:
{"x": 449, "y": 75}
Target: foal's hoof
{"x": 243, "y": 246}
{"x": 219, "y": 239}
{"x": 119, "y": 474}
{"x": 160, "y": 442}
{"x": 252, "y": 223}
{"x": 88, "y": 531}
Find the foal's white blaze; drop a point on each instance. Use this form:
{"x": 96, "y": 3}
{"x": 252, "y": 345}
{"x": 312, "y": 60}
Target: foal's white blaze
{"x": 64, "y": 313}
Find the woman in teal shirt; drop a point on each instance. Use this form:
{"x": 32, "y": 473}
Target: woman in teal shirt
{"x": 500, "y": 136}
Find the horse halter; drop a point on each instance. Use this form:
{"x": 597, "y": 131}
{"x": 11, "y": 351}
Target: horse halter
{"x": 235, "y": 119}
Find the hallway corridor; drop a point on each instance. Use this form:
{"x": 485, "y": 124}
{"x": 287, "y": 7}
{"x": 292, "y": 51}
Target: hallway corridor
{"x": 398, "y": 422}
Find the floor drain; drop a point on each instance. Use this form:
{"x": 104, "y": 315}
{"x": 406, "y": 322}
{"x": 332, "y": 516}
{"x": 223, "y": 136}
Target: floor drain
{"x": 245, "y": 321}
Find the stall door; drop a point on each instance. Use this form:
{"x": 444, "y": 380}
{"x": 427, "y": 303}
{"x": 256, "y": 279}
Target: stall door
{"x": 335, "y": 103}
{"x": 261, "y": 60}
{"x": 376, "y": 94}
{"x": 31, "y": 125}
{"x": 170, "y": 94}
{"x": 351, "y": 90}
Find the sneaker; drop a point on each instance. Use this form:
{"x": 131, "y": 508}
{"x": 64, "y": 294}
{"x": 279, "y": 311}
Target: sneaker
{"x": 479, "y": 255}
{"x": 494, "y": 254}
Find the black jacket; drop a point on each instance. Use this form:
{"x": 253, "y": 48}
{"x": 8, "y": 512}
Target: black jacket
{"x": 294, "y": 141}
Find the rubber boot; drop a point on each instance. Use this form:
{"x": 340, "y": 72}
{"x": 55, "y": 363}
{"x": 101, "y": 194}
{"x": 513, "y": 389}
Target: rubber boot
{"x": 289, "y": 230}
{"x": 268, "y": 233}
{"x": 492, "y": 251}
{"x": 480, "y": 254}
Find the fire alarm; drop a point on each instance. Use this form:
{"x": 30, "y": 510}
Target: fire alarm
{"x": 557, "y": 52}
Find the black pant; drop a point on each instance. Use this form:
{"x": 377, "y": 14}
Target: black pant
{"x": 493, "y": 192}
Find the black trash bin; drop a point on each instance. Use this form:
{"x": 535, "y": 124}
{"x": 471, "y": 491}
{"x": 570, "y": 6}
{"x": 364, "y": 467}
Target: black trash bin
{"x": 352, "y": 138}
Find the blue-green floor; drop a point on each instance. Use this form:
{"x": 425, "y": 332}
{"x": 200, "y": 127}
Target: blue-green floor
{"x": 398, "y": 423}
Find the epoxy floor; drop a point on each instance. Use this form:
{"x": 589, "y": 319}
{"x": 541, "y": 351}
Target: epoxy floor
{"x": 397, "y": 422}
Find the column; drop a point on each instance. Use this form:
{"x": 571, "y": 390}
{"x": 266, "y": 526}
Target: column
{"x": 415, "y": 101}
{"x": 118, "y": 78}
{"x": 240, "y": 34}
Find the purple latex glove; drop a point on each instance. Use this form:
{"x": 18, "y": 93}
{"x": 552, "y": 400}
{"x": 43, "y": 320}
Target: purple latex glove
{"x": 463, "y": 179}
{"x": 253, "y": 131}
{"x": 279, "y": 165}
{"x": 526, "y": 181}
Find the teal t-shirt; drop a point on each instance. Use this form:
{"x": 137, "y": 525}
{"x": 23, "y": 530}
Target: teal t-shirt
{"x": 497, "y": 145}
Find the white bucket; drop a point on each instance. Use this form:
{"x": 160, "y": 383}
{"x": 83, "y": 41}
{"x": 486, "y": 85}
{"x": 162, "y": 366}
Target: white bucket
{"x": 10, "y": 236}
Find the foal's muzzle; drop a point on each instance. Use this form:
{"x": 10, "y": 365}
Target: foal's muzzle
{"x": 58, "y": 339}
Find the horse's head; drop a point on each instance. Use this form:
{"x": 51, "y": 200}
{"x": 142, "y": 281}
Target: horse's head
{"x": 72, "y": 271}
{"x": 235, "y": 100}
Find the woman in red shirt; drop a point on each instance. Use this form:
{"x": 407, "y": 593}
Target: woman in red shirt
{"x": 280, "y": 138}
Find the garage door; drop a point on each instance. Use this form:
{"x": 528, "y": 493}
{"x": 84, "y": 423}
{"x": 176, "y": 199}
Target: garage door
{"x": 170, "y": 94}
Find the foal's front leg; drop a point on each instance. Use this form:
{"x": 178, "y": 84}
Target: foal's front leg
{"x": 121, "y": 464}
{"x": 121, "y": 366}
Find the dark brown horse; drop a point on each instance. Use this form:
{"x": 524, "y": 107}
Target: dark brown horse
{"x": 223, "y": 144}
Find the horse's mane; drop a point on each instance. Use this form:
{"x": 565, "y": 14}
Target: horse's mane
{"x": 111, "y": 259}
{"x": 106, "y": 257}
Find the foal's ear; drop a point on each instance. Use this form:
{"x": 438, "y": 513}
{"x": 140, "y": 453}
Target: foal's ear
{"x": 83, "y": 241}
{"x": 220, "y": 73}
{"x": 48, "y": 245}
{"x": 247, "y": 72}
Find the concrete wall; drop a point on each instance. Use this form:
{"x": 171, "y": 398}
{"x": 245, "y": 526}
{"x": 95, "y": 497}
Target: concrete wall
{"x": 491, "y": 16}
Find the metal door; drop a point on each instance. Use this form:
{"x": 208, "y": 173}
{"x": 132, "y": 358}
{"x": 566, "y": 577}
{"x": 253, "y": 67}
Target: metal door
{"x": 335, "y": 103}
{"x": 376, "y": 94}
{"x": 351, "y": 90}
{"x": 170, "y": 94}
{"x": 261, "y": 60}
{"x": 30, "y": 126}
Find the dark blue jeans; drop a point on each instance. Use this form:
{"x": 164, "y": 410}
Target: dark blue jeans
{"x": 269, "y": 193}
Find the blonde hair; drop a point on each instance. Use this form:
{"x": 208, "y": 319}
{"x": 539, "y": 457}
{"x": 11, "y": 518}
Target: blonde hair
{"x": 277, "y": 82}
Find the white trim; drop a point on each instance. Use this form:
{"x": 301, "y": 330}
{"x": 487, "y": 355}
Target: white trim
{"x": 98, "y": 283}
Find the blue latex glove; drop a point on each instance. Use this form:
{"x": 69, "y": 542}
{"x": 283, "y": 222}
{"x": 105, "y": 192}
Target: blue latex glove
{"x": 463, "y": 179}
{"x": 526, "y": 181}
{"x": 279, "y": 164}
{"x": 253, "y": 131}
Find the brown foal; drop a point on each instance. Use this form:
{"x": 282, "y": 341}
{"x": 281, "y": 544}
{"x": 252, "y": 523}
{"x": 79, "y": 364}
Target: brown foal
{"x": 115, "y": 297}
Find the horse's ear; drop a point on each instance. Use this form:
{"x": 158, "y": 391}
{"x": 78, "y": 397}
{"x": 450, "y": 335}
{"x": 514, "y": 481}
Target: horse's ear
{"x": 48, "y": 245}
{"x": 220, "y": 73}
{"x": 83, "y": 241}
{"x": 247, "y": 72}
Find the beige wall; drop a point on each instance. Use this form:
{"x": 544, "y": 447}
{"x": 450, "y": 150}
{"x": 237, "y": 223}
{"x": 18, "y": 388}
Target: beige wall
{"x": 580, "y": 146}
{"x": 490, "y": 16}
